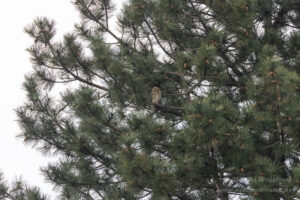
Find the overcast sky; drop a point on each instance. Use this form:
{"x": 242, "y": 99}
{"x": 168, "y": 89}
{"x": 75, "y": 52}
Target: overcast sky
{"x": 16, "y": 159}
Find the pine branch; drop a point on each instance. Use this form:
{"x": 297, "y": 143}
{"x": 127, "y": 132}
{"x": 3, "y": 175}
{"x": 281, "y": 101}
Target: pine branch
{"x": 157, "y": 40}
{"x": 57, "y": 55}
{"x": 170, "y": 109}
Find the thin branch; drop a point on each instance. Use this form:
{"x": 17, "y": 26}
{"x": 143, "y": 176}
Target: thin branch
{"x": 71, "y": 73}
{"x": 157, "y": 40}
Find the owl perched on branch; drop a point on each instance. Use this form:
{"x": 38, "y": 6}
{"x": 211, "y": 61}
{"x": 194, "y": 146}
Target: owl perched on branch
{"x": 156, "y": 96}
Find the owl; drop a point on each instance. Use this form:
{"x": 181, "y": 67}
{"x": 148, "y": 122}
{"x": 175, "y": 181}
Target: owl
{"x": 156, "y": 96}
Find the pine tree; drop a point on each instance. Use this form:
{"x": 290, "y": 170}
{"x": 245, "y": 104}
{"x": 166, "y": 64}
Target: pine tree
{"x": 19, "y": 191}
{"x": 226, "y": 125}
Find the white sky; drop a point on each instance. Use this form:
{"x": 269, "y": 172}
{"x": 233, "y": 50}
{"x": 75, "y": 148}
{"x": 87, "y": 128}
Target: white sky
{"x": 16, "y": 159}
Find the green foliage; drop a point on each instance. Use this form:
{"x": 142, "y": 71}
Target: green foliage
{"x": 228, "y": 72}
{"x": 18, "y": 190}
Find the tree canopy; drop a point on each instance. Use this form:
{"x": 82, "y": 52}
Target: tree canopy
{"x": 226, "y": 125}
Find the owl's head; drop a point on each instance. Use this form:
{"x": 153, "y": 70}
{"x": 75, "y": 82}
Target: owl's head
{"x": 155, "y": 90}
